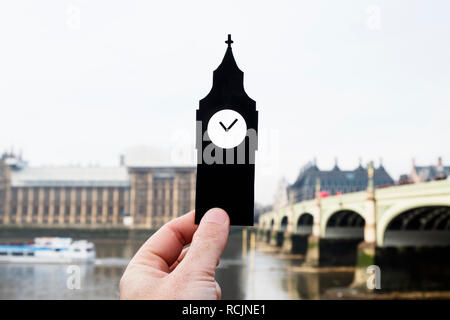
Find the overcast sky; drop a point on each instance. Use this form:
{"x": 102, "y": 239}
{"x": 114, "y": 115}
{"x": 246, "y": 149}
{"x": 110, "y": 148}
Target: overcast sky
{"x": 83, "y": 81}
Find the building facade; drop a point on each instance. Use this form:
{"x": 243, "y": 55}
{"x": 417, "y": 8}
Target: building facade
{"x": 93, "y": 196}
{"x": 429, "y": 173}
{"x": 334, "y": 181}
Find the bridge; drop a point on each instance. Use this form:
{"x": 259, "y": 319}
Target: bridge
{"x": 414, "y": 214}
{"x": 369, "y": 227}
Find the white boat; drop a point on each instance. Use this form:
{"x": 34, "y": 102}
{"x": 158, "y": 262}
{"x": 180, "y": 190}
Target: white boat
{"x": 49, "y": 250}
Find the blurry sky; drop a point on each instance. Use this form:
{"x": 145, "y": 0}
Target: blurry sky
{"x": 82, "y": 81}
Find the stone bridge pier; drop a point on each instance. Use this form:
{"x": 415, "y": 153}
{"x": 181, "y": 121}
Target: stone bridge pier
{"x": 336, "y": 235}
{"x": 302, "y": 231}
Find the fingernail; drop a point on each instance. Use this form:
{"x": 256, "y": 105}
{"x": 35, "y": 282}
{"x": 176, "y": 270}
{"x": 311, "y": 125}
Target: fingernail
{"x": 216, "y": 216}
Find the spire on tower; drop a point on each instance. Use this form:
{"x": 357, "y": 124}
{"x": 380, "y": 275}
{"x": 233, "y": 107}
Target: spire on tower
{"x": 228, "y": 73}
{"x": 336, "y": 167}
{"x": 439, "y": 164}
{"x": 229, "y": 41}
{"x": 360, "y": 166}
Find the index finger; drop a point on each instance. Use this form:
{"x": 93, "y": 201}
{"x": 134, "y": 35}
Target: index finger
{"x": 162, "y": 249}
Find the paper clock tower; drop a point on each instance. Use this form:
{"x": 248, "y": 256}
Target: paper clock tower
{"x": 226, "y": 142}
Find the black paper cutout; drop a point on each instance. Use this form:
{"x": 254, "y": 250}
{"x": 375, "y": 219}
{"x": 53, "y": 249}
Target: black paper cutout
{"x": 228, "y": 183}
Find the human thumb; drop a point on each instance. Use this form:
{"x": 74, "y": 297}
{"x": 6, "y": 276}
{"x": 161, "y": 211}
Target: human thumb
{"x": 208, "y": 242}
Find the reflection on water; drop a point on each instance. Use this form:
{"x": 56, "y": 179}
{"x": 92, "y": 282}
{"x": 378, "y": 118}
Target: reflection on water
{"x": 243, "y": 274}
{"x": 47, "y": 281}
{"x": 253, "y": 274}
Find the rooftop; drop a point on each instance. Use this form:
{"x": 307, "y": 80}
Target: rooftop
{"x": 310, "y": 172}
{"x": 70, "y": 176}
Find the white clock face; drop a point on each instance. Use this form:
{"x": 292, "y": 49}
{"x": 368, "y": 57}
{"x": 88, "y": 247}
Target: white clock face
{"x": 227, "y": 128}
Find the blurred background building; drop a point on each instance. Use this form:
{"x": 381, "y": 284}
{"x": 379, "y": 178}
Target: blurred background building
{"x": 429, "y": 173}
{"x": 146, "y": 196}
{"x": 334, "y": 181}
{"x": 420, "y": 174}
{"x": 147, "y": 189}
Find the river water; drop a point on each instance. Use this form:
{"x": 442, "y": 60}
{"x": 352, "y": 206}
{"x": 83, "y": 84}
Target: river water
{"x": 243, "y": 273}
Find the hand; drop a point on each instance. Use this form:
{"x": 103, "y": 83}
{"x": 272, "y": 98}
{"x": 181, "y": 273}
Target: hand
{"x": 162, "y": 269}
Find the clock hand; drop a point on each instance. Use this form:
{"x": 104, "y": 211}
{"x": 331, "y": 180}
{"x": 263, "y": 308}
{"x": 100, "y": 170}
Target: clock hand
{"x": 232, "y": 124}
{"x": 223, "y": 126}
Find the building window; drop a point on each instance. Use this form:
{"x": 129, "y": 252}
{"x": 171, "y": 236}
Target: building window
{"x": 14, "y": 195}
{"x": 141, "y": 177}
{"x": 99, "y": 195}
{"x": 35, "y": 194}
{"x": 110, "y": 194}
{"x": 67, "y": 195}
{"x": 78, "y": 195}
{"x": 89, "y": 195}
{"x": 46, "y": 195}
{"x": 57, "y": 195}
{"x": 142, "y": 195}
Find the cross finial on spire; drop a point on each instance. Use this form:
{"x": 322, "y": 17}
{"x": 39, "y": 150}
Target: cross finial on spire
{"x": 229, "y": 41}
